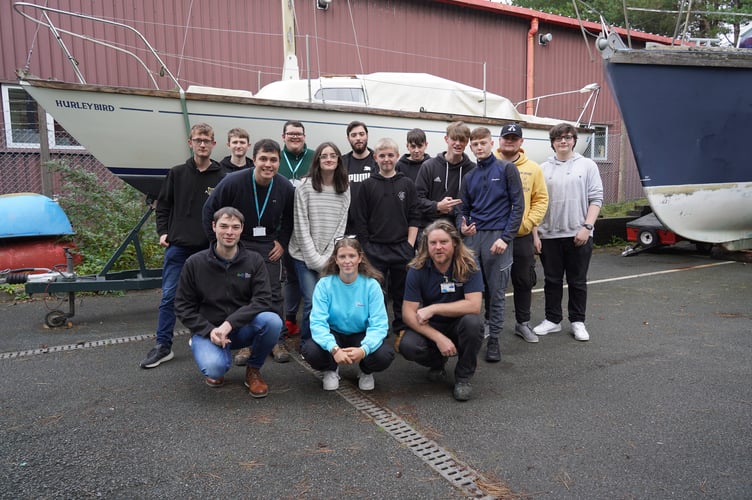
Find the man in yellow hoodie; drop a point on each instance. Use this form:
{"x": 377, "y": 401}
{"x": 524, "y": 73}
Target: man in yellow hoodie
{"x": 527, "y": 243}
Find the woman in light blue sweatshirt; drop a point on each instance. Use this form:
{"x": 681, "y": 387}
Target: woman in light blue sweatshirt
{"x": 348, "y": 318}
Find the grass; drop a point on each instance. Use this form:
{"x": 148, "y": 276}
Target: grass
{"x": 623, "y": 208}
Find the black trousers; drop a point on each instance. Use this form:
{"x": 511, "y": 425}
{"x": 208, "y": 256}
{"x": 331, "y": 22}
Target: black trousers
{"x": 523, "y": 276}
{"x": 560, "y": 257}
{"x": 322, "y": 360}
{"x": 466, "y": 334}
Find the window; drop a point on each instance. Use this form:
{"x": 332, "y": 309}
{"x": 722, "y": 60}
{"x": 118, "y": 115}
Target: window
{"x": 21, "y": 120}
{"x": 598, "y": 147}
{"x": 341, "y": 94}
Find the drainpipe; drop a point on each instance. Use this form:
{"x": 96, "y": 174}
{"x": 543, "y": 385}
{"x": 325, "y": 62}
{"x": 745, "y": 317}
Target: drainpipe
{"x": 530, "y": 72}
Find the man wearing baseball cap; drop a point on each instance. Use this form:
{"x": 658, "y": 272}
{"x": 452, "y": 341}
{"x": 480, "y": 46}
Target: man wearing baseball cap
{"x": 526, "y": 243}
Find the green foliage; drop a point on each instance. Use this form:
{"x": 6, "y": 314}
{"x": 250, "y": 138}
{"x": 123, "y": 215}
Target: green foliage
{"x": 623, "y": 208}
{"x": 102, "y": 217}
{"x": 709, "y": 18}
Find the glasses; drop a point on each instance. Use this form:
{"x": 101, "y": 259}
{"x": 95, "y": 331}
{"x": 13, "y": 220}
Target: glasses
{"x": 563, "y": 138}
{"x": 329, "y": 156}
{"x": 344, "y": 237}
{"x": 201, "y": 142}
{"x": 294, "y": 134}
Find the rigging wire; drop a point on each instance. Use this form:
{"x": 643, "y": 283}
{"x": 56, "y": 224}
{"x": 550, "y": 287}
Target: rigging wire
{"x": 185, "y": 40}
{"x": 27, "y": 66}
{"x": 355, "y": 36}
{"x": 582, "y": 29}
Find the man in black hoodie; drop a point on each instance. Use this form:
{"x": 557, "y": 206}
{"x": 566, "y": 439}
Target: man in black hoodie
{"x": 386, "y": 220}
{"x": 440, "y": 178}
{"x": 239, "y": 142}
{"x": 411, "y": 161}
{"x": 181, "y": 199}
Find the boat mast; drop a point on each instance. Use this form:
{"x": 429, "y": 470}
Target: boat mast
{"x": 290, "y": 69}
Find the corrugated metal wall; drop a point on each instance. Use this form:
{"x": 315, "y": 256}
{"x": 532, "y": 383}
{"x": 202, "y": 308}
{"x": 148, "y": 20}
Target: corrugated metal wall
{"x": 239, "y": 44}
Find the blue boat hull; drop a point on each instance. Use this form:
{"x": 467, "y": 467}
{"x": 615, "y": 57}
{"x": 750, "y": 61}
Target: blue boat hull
{"x": 30, "y": 214}
{"x": 689, "y": 122}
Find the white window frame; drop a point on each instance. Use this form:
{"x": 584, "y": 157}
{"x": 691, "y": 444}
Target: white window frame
{"x": 11, "y": 144}
{"x": 601, "y": 131}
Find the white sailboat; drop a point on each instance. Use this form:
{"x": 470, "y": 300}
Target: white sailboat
{"x": 139, "y": 133}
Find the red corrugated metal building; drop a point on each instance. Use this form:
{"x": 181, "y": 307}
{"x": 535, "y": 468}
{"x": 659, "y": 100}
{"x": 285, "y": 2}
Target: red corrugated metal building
{"x": 239, "y": 44}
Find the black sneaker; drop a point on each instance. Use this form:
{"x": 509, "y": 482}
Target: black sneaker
{"x": 157, "y": 356}
{"x": 436, "y": 375}
{"x": 462, "y": 390}
{"x": 493, "y": 354}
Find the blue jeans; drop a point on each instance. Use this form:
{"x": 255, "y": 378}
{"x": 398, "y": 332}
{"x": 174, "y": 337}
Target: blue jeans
{"x": 174, "y": 259}
{"x": 261, "y": 335}
{"x": 307, "y": 280}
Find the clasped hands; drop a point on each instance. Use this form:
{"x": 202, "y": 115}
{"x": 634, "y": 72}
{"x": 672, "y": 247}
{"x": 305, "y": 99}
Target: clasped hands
{"x": 348, "y": 355}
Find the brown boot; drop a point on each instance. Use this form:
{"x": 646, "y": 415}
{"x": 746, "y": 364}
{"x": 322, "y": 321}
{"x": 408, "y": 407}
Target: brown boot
{"x": 398, "y": 339}
{"x": 280, "y": 353}
{"x": 242, "y": 357}
{"x": 255, "y": 384}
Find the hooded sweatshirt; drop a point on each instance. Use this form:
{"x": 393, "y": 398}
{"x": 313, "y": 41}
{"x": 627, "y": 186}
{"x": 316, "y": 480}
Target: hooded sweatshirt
{"x": 410, "y": 167}
{"x": 229, "y": 167}
{"x": 573, "y": 185}
{"x": 534, "y": 190}
{"x": 181, "y": 200}
{"x": 385, "y": 209}
{"x": 437, "y": 179}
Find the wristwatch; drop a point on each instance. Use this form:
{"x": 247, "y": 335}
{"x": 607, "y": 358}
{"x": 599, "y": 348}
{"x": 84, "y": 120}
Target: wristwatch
{"x": 334, "y": 350}
{"x": 589, "y": 227}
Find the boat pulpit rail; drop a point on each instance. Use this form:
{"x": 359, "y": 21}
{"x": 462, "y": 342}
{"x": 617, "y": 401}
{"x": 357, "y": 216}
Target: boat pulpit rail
{"x": 45, "y": 21}
{"x": 592, "y": 88}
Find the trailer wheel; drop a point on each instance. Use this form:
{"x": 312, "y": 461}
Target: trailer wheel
{"x": 648, "y": 238}
{"x": 704, "y": 248}
{"x": 55, "y": 319}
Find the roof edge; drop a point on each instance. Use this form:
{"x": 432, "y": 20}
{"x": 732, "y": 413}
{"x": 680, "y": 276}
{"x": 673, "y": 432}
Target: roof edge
{"x": 568, "y": 22}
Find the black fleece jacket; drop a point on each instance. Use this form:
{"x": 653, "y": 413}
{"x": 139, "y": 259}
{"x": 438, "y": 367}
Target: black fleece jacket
{"x": 213, "y": 290}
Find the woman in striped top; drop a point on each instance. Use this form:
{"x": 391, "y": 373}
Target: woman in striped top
{"x": 320, "y": 214}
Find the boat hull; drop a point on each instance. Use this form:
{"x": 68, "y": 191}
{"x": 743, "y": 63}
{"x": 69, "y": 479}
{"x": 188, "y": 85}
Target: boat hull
{"x": 688, "y": 121}
{"x": 36, "y": 253}
{"x": 139, "y": 135}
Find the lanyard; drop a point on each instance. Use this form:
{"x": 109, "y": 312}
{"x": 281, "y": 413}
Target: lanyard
{"x": 297, "y": 166}
{"x": 266, "y": 200}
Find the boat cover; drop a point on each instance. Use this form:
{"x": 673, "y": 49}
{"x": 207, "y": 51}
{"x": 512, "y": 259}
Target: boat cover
{"x": 31, "y": 214}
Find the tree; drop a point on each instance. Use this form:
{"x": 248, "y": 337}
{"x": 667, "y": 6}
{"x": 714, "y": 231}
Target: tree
{"x": 708, "y": 18}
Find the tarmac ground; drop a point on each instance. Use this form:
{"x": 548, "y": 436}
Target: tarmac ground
{"x": 658, "y": 404}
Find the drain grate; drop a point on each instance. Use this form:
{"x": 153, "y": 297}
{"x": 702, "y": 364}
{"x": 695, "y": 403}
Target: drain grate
{"x": 461, "y": 475}
{"x": 83, "y": 345}
{"x": 450, "y": 468}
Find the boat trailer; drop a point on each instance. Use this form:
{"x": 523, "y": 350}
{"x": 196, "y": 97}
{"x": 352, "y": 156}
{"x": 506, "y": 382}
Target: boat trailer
{"x": 648, "y": 232}
{"x": 56, "y": 281}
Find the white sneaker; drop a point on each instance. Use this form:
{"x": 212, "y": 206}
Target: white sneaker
{"x": 331, "y": 380}
{"x": 365, "y": 382}
{"x": 545, "y": 327}
{"x": 580, "y": 332}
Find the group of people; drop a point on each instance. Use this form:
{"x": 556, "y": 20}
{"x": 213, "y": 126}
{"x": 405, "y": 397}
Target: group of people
{"x": 348, "y": 234}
